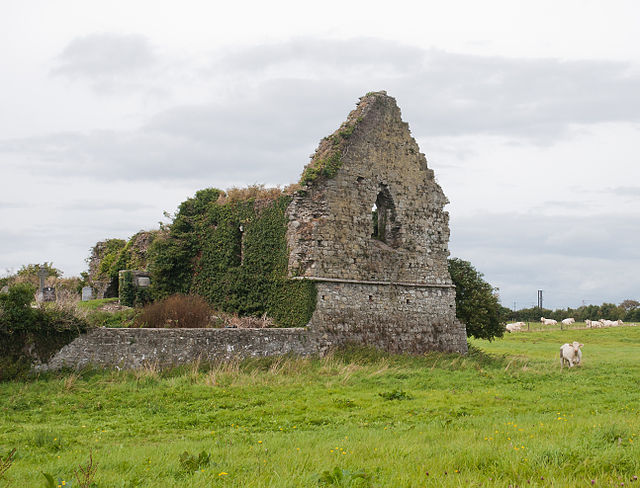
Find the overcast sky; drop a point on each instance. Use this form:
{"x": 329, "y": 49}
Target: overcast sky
{"x": 528, "y": 112}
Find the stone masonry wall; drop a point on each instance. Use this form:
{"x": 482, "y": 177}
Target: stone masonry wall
{"x": 396, "y": 318}
{"x": 133, "y": 348}
{"x": 404, "y": 268}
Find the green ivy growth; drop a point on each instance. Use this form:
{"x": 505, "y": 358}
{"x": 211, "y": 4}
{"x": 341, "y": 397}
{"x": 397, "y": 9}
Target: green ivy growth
{"x": 234, "y": 253}
{"x": 130, "y": 294}
{"x": 29, "y": 334}
{"x": 328, "y": 158}
{"x": 127, "y": 289}
{"x": 119, "y": 254}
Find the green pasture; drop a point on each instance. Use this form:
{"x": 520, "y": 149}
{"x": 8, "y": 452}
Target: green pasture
{"x": 506, "y": 414}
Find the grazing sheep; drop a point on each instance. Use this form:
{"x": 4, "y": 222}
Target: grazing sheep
{"x": 571, "y": 353}
{"x": 569, "y": 321}
{"x": 548, "y": 321}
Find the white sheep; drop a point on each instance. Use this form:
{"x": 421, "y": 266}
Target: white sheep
{"x": 571, "y": 353}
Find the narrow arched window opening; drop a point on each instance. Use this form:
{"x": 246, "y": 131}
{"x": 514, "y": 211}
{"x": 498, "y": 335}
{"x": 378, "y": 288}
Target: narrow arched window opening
{"x": 383, "y": 218}
{"x": 374, "y": 218}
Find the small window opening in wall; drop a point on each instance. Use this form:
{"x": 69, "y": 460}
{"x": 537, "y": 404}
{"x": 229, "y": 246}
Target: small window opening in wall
{"x": 354, "y": 260}
{"x": 370, "y": 298}
{"x": 374, "y": 219}
{"x": 383, "y": 218}
{"x": 408, "y": 301}
{"x": 241, "y": 235}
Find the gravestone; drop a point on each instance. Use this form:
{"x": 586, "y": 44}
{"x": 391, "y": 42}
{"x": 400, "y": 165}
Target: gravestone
{"x": 144, "y": 281}
{"x": 42, "y": 274}
{"x": 48, "y": 294}
{"x": 87, "y": 293}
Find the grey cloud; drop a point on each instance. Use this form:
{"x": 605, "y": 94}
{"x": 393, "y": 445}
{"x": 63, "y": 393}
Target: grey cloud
{"x": 102, "y": 206}
{"x": 266, "y": 131}
{"x": 572, "y": 258}
{"x": 455, "y": 94}
{"x": 564, "y": 205}
{"x": 263, "y": 140}
{"x": 625, "y": 191}
{"x": 13, "y": 205}
{"x": 105, "y": 55}
{"x": 340, "y": 56}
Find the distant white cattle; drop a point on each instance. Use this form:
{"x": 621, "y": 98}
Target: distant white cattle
{"x": 515, "y": 326}
{"x": 611, "y": 323}
{"x": 593, "y": 324}
{"x": 569, "y": 321}
{"x": 571, "y": 354}
{"x": 548, "y": 321}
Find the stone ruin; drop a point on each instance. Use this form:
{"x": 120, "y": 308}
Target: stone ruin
{"x": 382, "y": 280}
{"x": 368, "y": 227}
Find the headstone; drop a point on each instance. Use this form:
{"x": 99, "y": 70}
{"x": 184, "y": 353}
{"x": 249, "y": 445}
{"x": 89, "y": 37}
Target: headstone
{"x": 42, "y": 274}
{"x": 48, "y": 294}
{"x": 87, "y": 293}
{"x": 143, "y": 281}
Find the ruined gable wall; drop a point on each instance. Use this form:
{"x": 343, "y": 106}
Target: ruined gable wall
{"x": 331, "y": 225}
{"x": 397, "y": 294}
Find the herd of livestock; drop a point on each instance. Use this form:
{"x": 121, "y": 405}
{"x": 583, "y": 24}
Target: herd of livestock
{"x": 570, "y": 353}
{"x": 591, "y": 324}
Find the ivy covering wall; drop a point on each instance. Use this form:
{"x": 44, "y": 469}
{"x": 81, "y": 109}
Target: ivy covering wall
{"x": 231, "y": 249}
{"x": 110, "y": 256}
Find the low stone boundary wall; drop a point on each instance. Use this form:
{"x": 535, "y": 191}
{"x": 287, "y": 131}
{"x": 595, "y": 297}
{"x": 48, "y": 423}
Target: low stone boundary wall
{"x": 133, "y": 348}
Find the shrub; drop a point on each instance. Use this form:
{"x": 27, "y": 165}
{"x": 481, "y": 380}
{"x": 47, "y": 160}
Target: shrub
{"x": 30, "y": 334}
{"x": 17, "y": 314}
{"x": 477, "y": 303}
{"x": 176, "y": 311}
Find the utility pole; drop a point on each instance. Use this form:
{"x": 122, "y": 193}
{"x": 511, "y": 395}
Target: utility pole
{"x": 540, "y": 299}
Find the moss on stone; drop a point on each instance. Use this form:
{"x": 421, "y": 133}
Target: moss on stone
{"x": 328, "y": 158}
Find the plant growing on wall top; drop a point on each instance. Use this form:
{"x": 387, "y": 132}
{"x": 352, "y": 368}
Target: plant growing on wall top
{"x": 327, "y": 159}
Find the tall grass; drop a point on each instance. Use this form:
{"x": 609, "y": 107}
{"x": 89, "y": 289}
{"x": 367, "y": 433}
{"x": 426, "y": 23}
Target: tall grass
{"x": 506, "y": 414}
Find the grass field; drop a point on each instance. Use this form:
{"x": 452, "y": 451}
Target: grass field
{"x": 503, "y": 415}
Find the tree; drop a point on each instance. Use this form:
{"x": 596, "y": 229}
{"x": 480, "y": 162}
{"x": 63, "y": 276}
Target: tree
{"x": 630, "y": 305}
{"x": 477, "y": 303}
